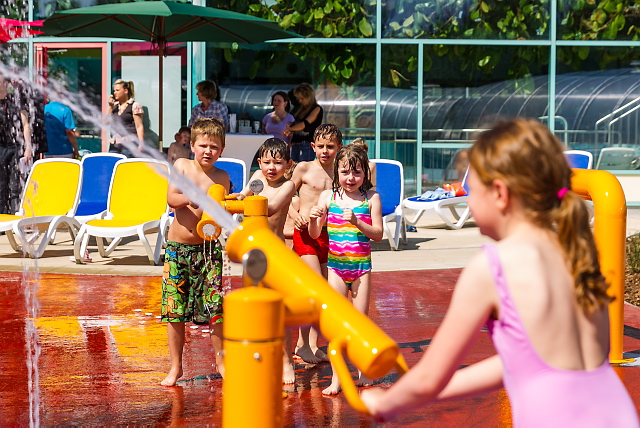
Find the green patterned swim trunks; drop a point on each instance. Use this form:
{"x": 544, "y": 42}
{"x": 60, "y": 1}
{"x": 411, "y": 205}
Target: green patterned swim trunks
{"x": 192, "y": 284}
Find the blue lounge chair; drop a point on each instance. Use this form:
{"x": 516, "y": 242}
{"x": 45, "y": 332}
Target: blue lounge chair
{"x": 97, "y": 170}
{"x": 390, "y": 187}
{"x": 579, "y": 159}
{"x": 237, "y": 170}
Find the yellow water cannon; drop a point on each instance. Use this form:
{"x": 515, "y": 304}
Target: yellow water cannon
{"x": 251, "y": 206}
{"x": 609, "y": 232}
{"x": 307, "y": 299}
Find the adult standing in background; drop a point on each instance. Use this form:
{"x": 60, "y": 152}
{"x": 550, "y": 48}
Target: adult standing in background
{"x": 128, "y": 113}
{"x": 15, "y": 147}
{"x": 276, "y": 122}
{"x": 60, "y": 129}
{"x": 308, "y": 117}
{"x": 207, "y": 92}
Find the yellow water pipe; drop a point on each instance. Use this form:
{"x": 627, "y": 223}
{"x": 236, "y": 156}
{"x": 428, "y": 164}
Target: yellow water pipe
{"x": 253, "y": 344}
{"x": 348, "y": 331}
{"x": 251, "y": 206}
{"x": 610, "y": 228}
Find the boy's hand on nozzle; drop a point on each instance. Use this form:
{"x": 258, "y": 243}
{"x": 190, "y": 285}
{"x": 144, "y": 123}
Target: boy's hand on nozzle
{"x": 316, "y": 212}
{"x": 236, "y": 196}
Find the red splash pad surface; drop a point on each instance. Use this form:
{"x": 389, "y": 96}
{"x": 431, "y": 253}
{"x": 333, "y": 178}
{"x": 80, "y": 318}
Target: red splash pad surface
{"x": 102, "y": 362}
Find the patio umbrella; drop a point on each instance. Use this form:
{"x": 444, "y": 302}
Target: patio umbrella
{"x": 161, "y": 22}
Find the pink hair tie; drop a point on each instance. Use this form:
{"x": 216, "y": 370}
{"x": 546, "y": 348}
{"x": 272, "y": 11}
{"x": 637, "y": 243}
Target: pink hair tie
{"x": 562, "y": 192}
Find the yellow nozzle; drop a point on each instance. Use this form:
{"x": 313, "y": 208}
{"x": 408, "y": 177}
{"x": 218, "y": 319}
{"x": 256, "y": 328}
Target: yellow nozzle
{"x": 368, "y": 347}
{"x": 251, "y": 206}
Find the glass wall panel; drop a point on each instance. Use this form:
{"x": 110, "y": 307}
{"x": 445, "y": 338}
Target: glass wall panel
{"x": 248, "y": 78}
{"x": 598, "y": 20}
{"x": 79, "y": 70}
{"x": 312, "y": 18}
{"x": 466, "y": 19}
{"x": 457, "y": 104}
{"x": 398, "y": 108}
{"x": 598, "y": 97}
{"x": 43, "y": 9}
{"x": 138, "y": 62}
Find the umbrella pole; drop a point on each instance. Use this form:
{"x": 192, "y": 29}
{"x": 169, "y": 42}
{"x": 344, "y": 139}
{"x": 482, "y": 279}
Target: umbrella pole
{"x": 160, "y": 94}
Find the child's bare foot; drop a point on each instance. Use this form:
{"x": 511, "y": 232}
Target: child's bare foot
{"x": 332, "y": 389}
{"x": 307, "y": 355}
{"x": 321, "y": 355}
{"x": 288, "y": 374}
{"x": 172, "y": 377}
{"x": 364, "y": 381}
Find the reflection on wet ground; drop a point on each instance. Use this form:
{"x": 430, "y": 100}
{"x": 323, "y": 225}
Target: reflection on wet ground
{"x": 104, "y": 353}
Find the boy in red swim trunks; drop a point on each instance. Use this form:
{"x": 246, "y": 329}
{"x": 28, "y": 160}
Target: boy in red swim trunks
{"x": 311, "y": 179}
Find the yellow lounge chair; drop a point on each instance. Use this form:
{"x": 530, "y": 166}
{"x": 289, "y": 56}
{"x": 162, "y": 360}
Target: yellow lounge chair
{"x": 137, "y": 202}
{"x": 48, "y": 201}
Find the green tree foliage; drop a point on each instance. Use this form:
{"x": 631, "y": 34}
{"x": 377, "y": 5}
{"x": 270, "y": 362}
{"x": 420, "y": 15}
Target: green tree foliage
{"x": 449, "y": 19}
{"x": 338, "y": 63}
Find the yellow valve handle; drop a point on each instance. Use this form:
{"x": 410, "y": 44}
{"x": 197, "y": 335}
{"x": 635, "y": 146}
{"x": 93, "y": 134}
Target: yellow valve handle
{"x": 336, "y": 351}
{"x": 336, "y": 357}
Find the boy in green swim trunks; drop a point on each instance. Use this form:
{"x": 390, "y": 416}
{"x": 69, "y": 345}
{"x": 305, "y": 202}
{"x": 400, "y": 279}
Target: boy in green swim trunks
{"x": 192, "y": 285}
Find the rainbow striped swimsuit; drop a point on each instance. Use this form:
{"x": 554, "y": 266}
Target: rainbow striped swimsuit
{"x": 349, "y": 248}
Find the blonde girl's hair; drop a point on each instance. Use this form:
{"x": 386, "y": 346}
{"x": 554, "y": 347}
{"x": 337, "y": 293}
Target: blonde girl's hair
{"x": 207, "y": 126}
{"x": 126, "y": 84}
{"x": 361, "y": 142}
{"x": 305, "y": 90}
{"x": 528, "y": 158}
{"x": 353, "y": 155}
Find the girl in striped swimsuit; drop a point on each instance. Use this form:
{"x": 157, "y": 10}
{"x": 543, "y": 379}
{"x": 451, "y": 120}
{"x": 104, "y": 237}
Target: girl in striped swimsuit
{"x": 353, "y": 215}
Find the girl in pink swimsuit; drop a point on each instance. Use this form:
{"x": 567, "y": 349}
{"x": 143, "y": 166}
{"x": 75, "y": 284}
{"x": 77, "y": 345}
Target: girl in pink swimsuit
{"x": 353, "y": 215}
{"x": 539, "y": 290}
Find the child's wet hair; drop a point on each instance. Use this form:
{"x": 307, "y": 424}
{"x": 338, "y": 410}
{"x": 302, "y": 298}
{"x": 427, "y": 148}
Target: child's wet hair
{"x": 184, "y": 129}
{"x": 529, "y": 159}
{"x": 328, "y": 131}
{"x": 209, "y": 127}
{"x": 353, "y": 155}
{"x": 275, "y": 146}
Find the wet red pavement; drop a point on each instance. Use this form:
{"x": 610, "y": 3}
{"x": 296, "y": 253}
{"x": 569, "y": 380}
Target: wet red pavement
{"x": 101, "y": 362}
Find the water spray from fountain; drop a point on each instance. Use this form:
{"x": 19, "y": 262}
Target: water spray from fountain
{"x": 84, "y": 110}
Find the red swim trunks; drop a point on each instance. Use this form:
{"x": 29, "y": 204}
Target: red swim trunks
{"x": 305, "y": 245}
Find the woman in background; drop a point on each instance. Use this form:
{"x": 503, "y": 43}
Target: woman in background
{"x": 15, "y": 146}
{"x": 207, "y": 92}
{"x": 308, "y": 117}
{"x": 128, "y": 113}
{"x": 275, "y": 123}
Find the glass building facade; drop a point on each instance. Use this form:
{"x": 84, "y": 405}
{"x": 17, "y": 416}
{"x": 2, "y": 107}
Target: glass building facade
{"x": 417, "y": 80}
